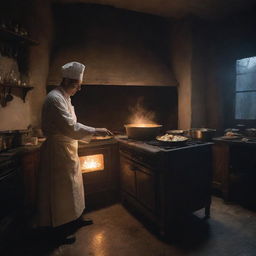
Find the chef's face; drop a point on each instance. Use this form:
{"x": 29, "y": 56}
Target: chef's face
{"x": 73, "y": 86}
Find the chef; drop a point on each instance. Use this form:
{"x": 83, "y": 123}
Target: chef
{"x": 60, "y": 185}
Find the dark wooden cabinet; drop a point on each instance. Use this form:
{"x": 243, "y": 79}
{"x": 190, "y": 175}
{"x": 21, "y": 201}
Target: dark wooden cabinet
{"x": 234, "y": 169}
{"x": 163, "y": 185}
{"x": 221, "y": 169}
{"x": 128, "y": 176}
{"x": 146, "y": 188}
{"x": 138, "y": 181}
{"x": 29, "y": 167}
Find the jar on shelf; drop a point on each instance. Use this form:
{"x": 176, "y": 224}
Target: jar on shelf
{"x": 16, "y": 28}
{"x": 24, "y": 81}
{"x": 1, "y": 76}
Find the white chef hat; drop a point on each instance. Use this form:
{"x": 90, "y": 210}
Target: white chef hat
{"x": 73, "y": 70}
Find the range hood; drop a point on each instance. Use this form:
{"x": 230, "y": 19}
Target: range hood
{"x": 118, "y": 47}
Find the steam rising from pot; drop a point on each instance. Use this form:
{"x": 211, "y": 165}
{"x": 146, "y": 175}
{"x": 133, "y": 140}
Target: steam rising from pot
{"x": 140, "y": 115}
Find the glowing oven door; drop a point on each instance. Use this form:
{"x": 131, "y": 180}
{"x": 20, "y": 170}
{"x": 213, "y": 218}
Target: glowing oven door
{"x": 96, "y": 166}
{"x": 92, "y": 163}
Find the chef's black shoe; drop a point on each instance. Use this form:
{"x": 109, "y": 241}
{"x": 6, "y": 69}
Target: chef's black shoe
{"x": 59, "y": 240}
{"x": 85, "y": 222}
{"x": 69, "y": 239}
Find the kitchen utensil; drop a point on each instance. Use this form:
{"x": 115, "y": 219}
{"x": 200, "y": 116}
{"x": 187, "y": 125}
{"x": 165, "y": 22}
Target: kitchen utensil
{"x": 231, "y": 130}
{"x": 19, "y": 137}
{"x": 9, "y": 97}
{"x": 142, "y": 131}
{"x": 250, "y": 132}
{"x": 176, "y": 132}
{"x": 205, "y": 134}
{"x": 241, "y": 127}
{"x": 172, "y": 140}
{"x": 235, "y": 137}
{"x": 7, "y": 140}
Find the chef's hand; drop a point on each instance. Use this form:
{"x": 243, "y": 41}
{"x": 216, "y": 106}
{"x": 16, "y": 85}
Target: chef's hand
{"x": 103, "y": 132}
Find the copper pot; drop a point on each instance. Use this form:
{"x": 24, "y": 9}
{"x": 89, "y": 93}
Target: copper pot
{"x": 142, "y": 131}
{"x": 202, "y": 133}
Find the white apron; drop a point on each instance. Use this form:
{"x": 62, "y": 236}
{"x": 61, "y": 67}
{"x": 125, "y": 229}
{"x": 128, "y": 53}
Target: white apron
{"x": 60, "y": 182}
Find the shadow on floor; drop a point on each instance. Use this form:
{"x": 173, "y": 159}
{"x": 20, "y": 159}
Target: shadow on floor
{"x": 26, "y": 244}
{"x": 188, "y": 232}
{"x": 23, "y": 241}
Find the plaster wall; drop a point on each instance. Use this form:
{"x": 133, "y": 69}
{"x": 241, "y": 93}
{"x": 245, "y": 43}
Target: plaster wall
{"x": 230, "y": 40}
{"x": 203, "y": 56}
{"x": 42, "y": 29}
{"x": 118, "y": 47}
{"x": 16, "y": 114}
{"x": 37, "y": 17}
{"x": 181, "y": 59}
{"x": 199, "y": 69}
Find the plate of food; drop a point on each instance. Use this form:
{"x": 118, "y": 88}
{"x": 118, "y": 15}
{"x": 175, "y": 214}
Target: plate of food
{"x": 171, "y": 139}
{"x": 231, "y": 136}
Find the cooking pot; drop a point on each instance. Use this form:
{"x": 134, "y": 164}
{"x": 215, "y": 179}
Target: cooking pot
{"x": 6, "y": 140}
{"x": 250, "y": 132}
{"x": 142, "y": 131}
{"x": 202, "y": 133}
{"x": 19, "y": 137}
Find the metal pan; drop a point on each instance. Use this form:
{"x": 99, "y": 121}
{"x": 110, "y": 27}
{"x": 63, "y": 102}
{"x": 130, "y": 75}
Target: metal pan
{"x": 204, "y": 134}
{"x": 171, "y": 142}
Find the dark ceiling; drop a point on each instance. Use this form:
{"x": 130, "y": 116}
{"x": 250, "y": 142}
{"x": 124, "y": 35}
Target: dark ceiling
{"x": 208, "y": 9}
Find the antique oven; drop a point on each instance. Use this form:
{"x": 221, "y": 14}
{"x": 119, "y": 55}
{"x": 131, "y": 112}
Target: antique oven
{"x": 99, "y": 165}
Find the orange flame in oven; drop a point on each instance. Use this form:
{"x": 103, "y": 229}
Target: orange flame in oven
{"x": 92, "y": 163}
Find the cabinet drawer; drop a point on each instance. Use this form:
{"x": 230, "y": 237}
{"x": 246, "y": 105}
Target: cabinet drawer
{"x": 128, "y": 176}
{"x": 138, "y": 181}
{"x": 149, "y": 162}
{"x": 146, "y": 191}
{"x": 29, "y": 165}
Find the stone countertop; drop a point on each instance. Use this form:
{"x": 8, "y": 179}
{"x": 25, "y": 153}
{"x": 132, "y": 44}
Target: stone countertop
{"x": 96, "y": 143}
{"x": 243, "y": 141}
{"x": 138, "y": 144}
{"x": 144, "y": 146}
{"x": 21, "y": 150}
{"x": 14, "y": 152}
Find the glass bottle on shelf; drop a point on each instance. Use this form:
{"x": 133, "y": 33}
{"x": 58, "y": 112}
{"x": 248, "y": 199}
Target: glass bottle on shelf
{"x": 1, "y": 76}
{"x": 16, "y": 28}
{"x": 3, "y": 23}
{"x": 24, "y": 80}
{"x": 11, "y": 78}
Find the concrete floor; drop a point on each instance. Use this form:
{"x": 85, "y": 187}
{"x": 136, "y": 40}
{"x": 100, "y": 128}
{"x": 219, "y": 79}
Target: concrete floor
{"x": 231, "y": 231}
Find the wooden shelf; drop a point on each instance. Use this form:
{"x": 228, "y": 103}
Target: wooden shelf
{"x": 16, "y": 86}
{"x": 13, "y": 36}
{"x": 6, "y": 89}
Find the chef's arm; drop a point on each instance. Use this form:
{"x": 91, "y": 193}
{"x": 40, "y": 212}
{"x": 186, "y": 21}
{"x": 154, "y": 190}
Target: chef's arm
{"x": 67, "y": 125}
